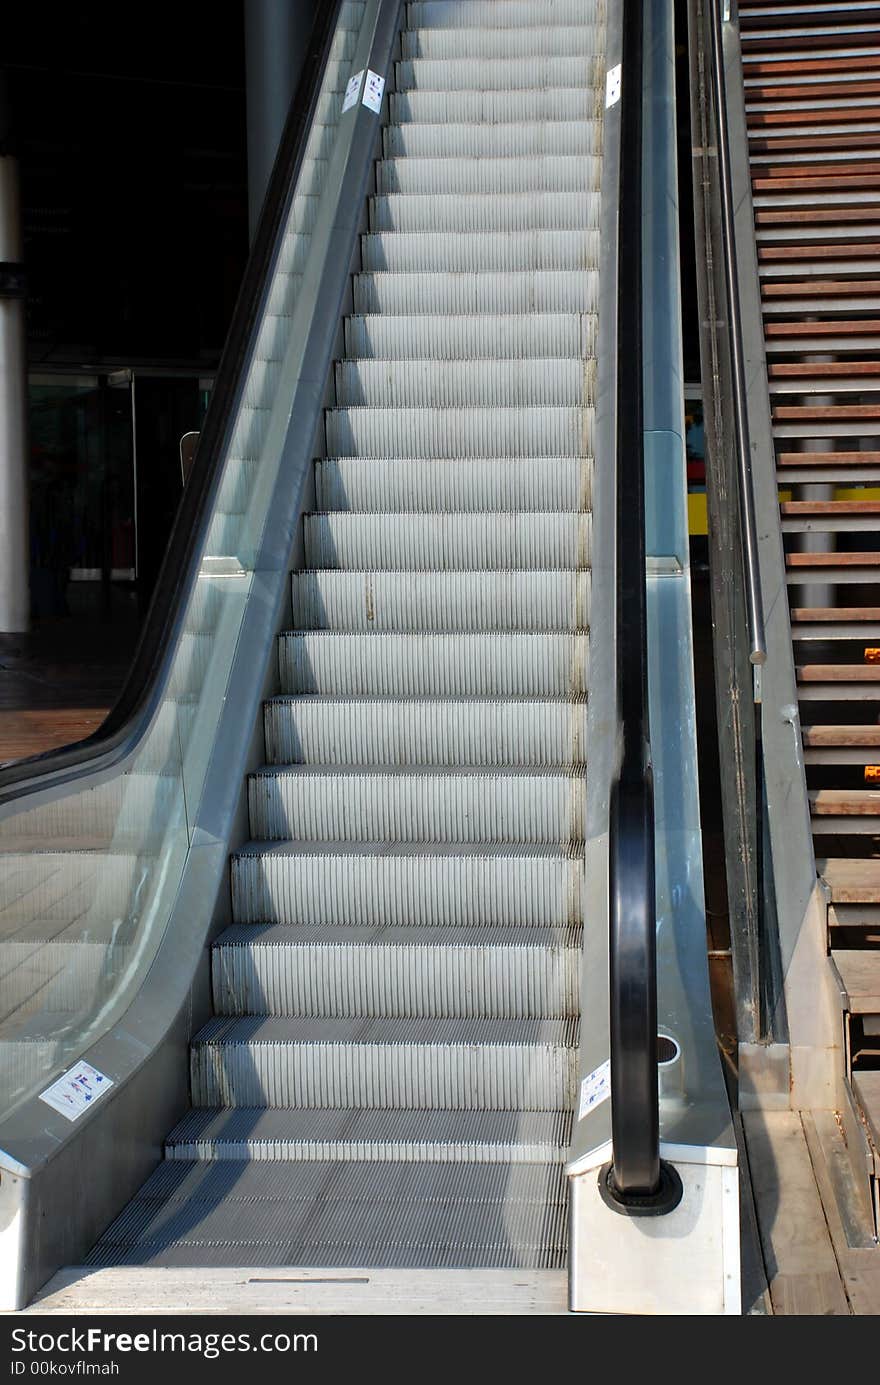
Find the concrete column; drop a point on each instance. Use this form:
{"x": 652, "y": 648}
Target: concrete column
{"x": 14, "y": 542}
{"x": 276, "y": 34}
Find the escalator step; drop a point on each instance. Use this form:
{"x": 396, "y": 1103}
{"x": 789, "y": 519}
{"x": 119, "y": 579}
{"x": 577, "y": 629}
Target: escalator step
{"x": 442, "y": 731}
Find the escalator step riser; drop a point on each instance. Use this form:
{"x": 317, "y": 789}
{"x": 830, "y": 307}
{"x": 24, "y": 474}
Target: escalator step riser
{"x": 294, "y": 252}
{"x": 499, "y": 74}
{"x": 378, "y": 978}
{"x": 549, "y": 103}
{"x": 191, "y": 665}
{"x": 458, "y": 1077}
{"x": 459, "y": 432}
{"x": 548, "y": 291}
{"x": 433, "y": 889}
{"x": 385, "y": 732}
{"x": 440, "y": 601}
{"x": 344, "y": 41}
{"x": 321, "y": 141}
{"x": 224, "y": 534}
{"x": 336, "y": 75}
{"x": 249, "y": 433}
{"x": 412, "y": 212}
{"x": 477, "y": 252}
{"x": 283, "y": 294}
{"x": 442, "y": 1137}
{"x": 274, "y": 337}
{"x": 459, "y": 665}
{"x": 420, "y": 806}
{"x": 262, "y": 384}
{"x": 435, "y": 542}
{"x": 237, "y": 484}
{"x": 497, "y": 44}
{"x": 401, "y": 384}
{"x": 574, "y": 138}
{"x": 438, "y": 175}
{"x": 439, "y": 14}
{"x": 523, "y": 336}
{"x": 423, "y": 485}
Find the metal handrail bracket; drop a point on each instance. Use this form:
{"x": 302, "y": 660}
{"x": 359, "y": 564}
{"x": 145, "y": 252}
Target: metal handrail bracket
{"x": 687, "y": 1259}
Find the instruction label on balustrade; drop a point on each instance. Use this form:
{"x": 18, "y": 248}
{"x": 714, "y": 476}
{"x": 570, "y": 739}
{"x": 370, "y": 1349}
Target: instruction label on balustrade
{"x": 373, "y": 89}
{"x": 595, "y": 1089}
{"x": 352, "y": 91}
{"x": 77, "y": 1090}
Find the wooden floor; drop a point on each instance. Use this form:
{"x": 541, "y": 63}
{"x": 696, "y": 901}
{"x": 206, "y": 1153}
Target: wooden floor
{"x": 814, "y": 1265}
{"x": 59, "y": 681}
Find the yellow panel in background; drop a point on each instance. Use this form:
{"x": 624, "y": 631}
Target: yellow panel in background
{"x": 857, "y": 492}
{"x": 697, "y": 513}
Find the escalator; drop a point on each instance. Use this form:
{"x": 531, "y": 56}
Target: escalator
{"x": 321, "y": 922}
{"x": 396, "y": 996}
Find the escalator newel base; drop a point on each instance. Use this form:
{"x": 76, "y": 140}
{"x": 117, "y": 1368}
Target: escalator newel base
{"x": 665, "y": 1198}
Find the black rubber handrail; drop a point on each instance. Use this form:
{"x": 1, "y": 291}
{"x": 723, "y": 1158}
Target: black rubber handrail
{"x": 636, "y": 1181}
{"x": 130, "y": 718}
{"x": 633, "y": 957}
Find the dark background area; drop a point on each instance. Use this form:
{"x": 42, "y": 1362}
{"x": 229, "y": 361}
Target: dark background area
{"x": 129, "y": 123}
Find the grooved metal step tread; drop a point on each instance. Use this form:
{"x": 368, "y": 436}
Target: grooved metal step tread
{"x": 507, "y": 663}
{"x": 356, "y": 1135}
{"x": 408, "y": 850}
{"x": 401, "y": 601}
{"x": 419, "y": 485}
{"x": 449, "y": 176}
{"x": 519, "y": 291}
{"x": 471, "y": 430}
{"x": 447, "y": 542}
{"x": 394, "y": 971}
{"x": 494, "y": 106}
{"x": 498, "y": 383}
{"x": 499, "y": 74}
{"x": 320, "y": 1213}
{"x": 537, "y": 40}
{"x": 275, "y": 935}
{"x": 439, "y": 14}
{"x": 380, "y": 1031}
{"x": 522, "y": 884}
{"x": 463, "y": 1062}
{"x": 487, "y": 731}
{"x": 452, "y": 337}
{"x": 567, "y": 137}
{"x": 403, "y": 803}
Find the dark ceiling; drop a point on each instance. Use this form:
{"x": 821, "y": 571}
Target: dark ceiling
{"x": 129, "y": 122}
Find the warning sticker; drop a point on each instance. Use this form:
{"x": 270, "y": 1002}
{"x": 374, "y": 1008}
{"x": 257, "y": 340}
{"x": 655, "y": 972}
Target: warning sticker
{"x": 352, "y": 91}
{"x": 612, "y": 87}
{"x": 373, "y": 89}
{"x": 595, "y": 1089}
{"x": 77, "y": 1090}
